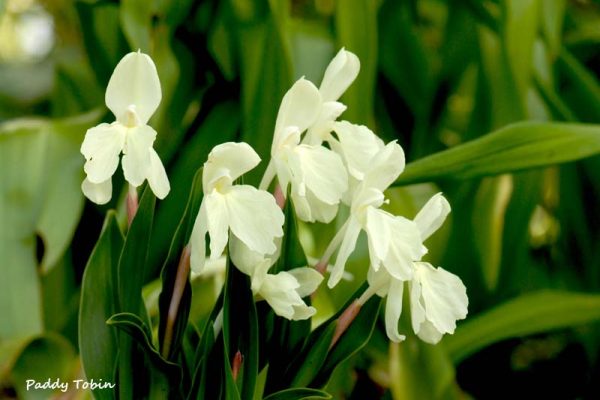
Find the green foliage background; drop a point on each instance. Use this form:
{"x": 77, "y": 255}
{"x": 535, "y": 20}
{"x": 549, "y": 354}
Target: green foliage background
{"x": 496, "y": 103}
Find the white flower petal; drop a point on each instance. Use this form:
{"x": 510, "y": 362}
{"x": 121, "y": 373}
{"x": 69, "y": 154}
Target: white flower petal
{"x": 134, "y": 82}
{"x": 218, "y": 222}
{"x": 299, "y": 108}
{"x": 136, "y": 154}
{"x": 198, "y": 240}
{"x": 321, "y": 171}
{"x": 280, "y": 292}
{"x": 346, "y": 248}
{"x": 157, "y": 176}
{"x": 229, "y": 160}
{"x": 101, "y": 148}
{"x": 378, "y": 232}
{"x": 444, "y": 296}
{"x": 308, "y": 279}
{"x": 386, "y": 166}
{"x": 393, "y": 310}
{"x": 320, "y": 130}
{"x": 428, "y": 333}
{"x": 379, "y": 279}
{"x": 309, "y": 208}
{"x": 432, "y": 215}
{"x": 357, "y": 145}
{"x": 339, "y": 75}
{"x": 254, "y": 218}
{"x": 99, "y": 193}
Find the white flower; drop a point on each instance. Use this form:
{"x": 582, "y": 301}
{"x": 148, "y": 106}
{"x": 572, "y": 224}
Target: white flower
{"x": 437, "y": 297}
{"x": 251, "y": 214}
{"x": 339, "y": 75}
{"x": 133, "y": 94}
{"x": 394, "y": 241}
{"x": 283, "y": 291}
{"x": 316, "y": 174}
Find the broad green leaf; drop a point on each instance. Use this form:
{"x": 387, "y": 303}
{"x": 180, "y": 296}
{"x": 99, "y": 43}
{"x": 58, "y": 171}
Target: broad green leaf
{"x": 513, "y": 148}
{"x": 298, "y": 394}
{"x": 488, "y": 217}
{"x": 47, "y": 357}
{"x": 349, "y": 15}
{"x": 421, "y": 371}
{"x": 98, "y": 341}
{"x": 170, "y": 272}
{"x": 526, "y": 315}
{"x": 305, "y": 368}
{"x": 553, "y": 15}
{"x": 40, "y": 177}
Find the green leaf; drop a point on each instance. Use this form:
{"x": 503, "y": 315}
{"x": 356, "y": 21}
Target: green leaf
{"x": 585, "y": 97}
{"x": 305, "y": 369}
{"x": 526, "y": 315}
{"x": 97, "y": 341}
{"x": 298, "y": 394}
{"x": 47, "y": 357}
{"x": 513, "y": 148}
{"x": 136, "y": 20}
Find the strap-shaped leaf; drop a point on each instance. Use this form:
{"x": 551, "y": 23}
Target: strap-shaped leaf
{"x": 299, "y": 394}
{"x": 526, "y": 315}
{"x": 516, "y": 147}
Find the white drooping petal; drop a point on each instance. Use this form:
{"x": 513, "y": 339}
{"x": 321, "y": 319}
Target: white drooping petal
{"x": 309, "y": 208}
{"x": 217, "y": 212}
{"x": 99, "y": 193}
{"x": 254, "y": 218}
{"x": 346, "y": 248}
{"x": 136, "y": 154}
{"x": 339, "y": 75}
{"x": 299, "y": 108}
{"x": 308, "y": 278}
{"x": 321, "y": 171}
{"x": 443, "y": 297}
{"x": 198, "y": 240}
{"x": 157, "y": 176}
{"x": 377, "y": 226}
{"x": 281, "y": 292}
{"x": 393, "y": 310}
{"x": 386, "y": 166}
{"x": 432, "y": 215}
{"x": 101, "y": 148}
{"x": 230, "y": 161}
{"x": 246, "y": 260}
{"x": 134, "y": 82}
{"x": 379, "y": 281}
{"x": 357, "y": 144}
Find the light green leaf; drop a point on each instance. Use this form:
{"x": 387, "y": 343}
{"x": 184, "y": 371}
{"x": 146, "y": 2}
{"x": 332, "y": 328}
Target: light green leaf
{"x": 526, "y": 315}
{"x": 98, "y": 341}
{"x": 136, "y": 20}
{"x": 513, "y": 148}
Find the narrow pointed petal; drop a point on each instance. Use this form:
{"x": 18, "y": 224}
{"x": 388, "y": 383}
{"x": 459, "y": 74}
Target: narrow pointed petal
{"x": 300, "y": 108}
{"x": 432, "y": 215}
{"x": 198, "y": 241}
{"x": 134, "y": 82}
{"x": 229, "y": 160}
{"x": 157, "y": 176}
{"x": 393, "y": 310}
{"x": 340, "y": 74}
{"x": 136, "y": 154}
{"x": 346, "y": 248}
{"x": 417, "y": 310}
{"x": 254, "y": 218}
{"x": 101, "y": 148}
{"x": 218, "y": 222}
{"x": 99, "y": 193}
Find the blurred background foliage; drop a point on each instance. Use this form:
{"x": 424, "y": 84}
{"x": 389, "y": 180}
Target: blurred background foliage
{"x": 434, "y": 74}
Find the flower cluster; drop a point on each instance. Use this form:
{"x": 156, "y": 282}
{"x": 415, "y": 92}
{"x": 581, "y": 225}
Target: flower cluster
{"x": 323, "y": 164}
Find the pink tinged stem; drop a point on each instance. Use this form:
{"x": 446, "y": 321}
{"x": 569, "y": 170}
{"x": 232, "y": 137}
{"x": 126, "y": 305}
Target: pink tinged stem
{"x": 183, "y": 271}
{"x": 279, "y": 196}
{"x": 321, "y": 266}
{"x": 132, "y": 204}
{"x": 236, "y": 364}
{"x": 344, "y": 321}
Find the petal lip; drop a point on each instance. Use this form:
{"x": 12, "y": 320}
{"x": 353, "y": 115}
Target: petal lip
{"x": 134, "y": 82}
{"x": 136, "y": 160}
{"x": 101, "y": 148}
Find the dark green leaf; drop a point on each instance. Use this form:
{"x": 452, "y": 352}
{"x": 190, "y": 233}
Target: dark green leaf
{"x": 298, "y": 394}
